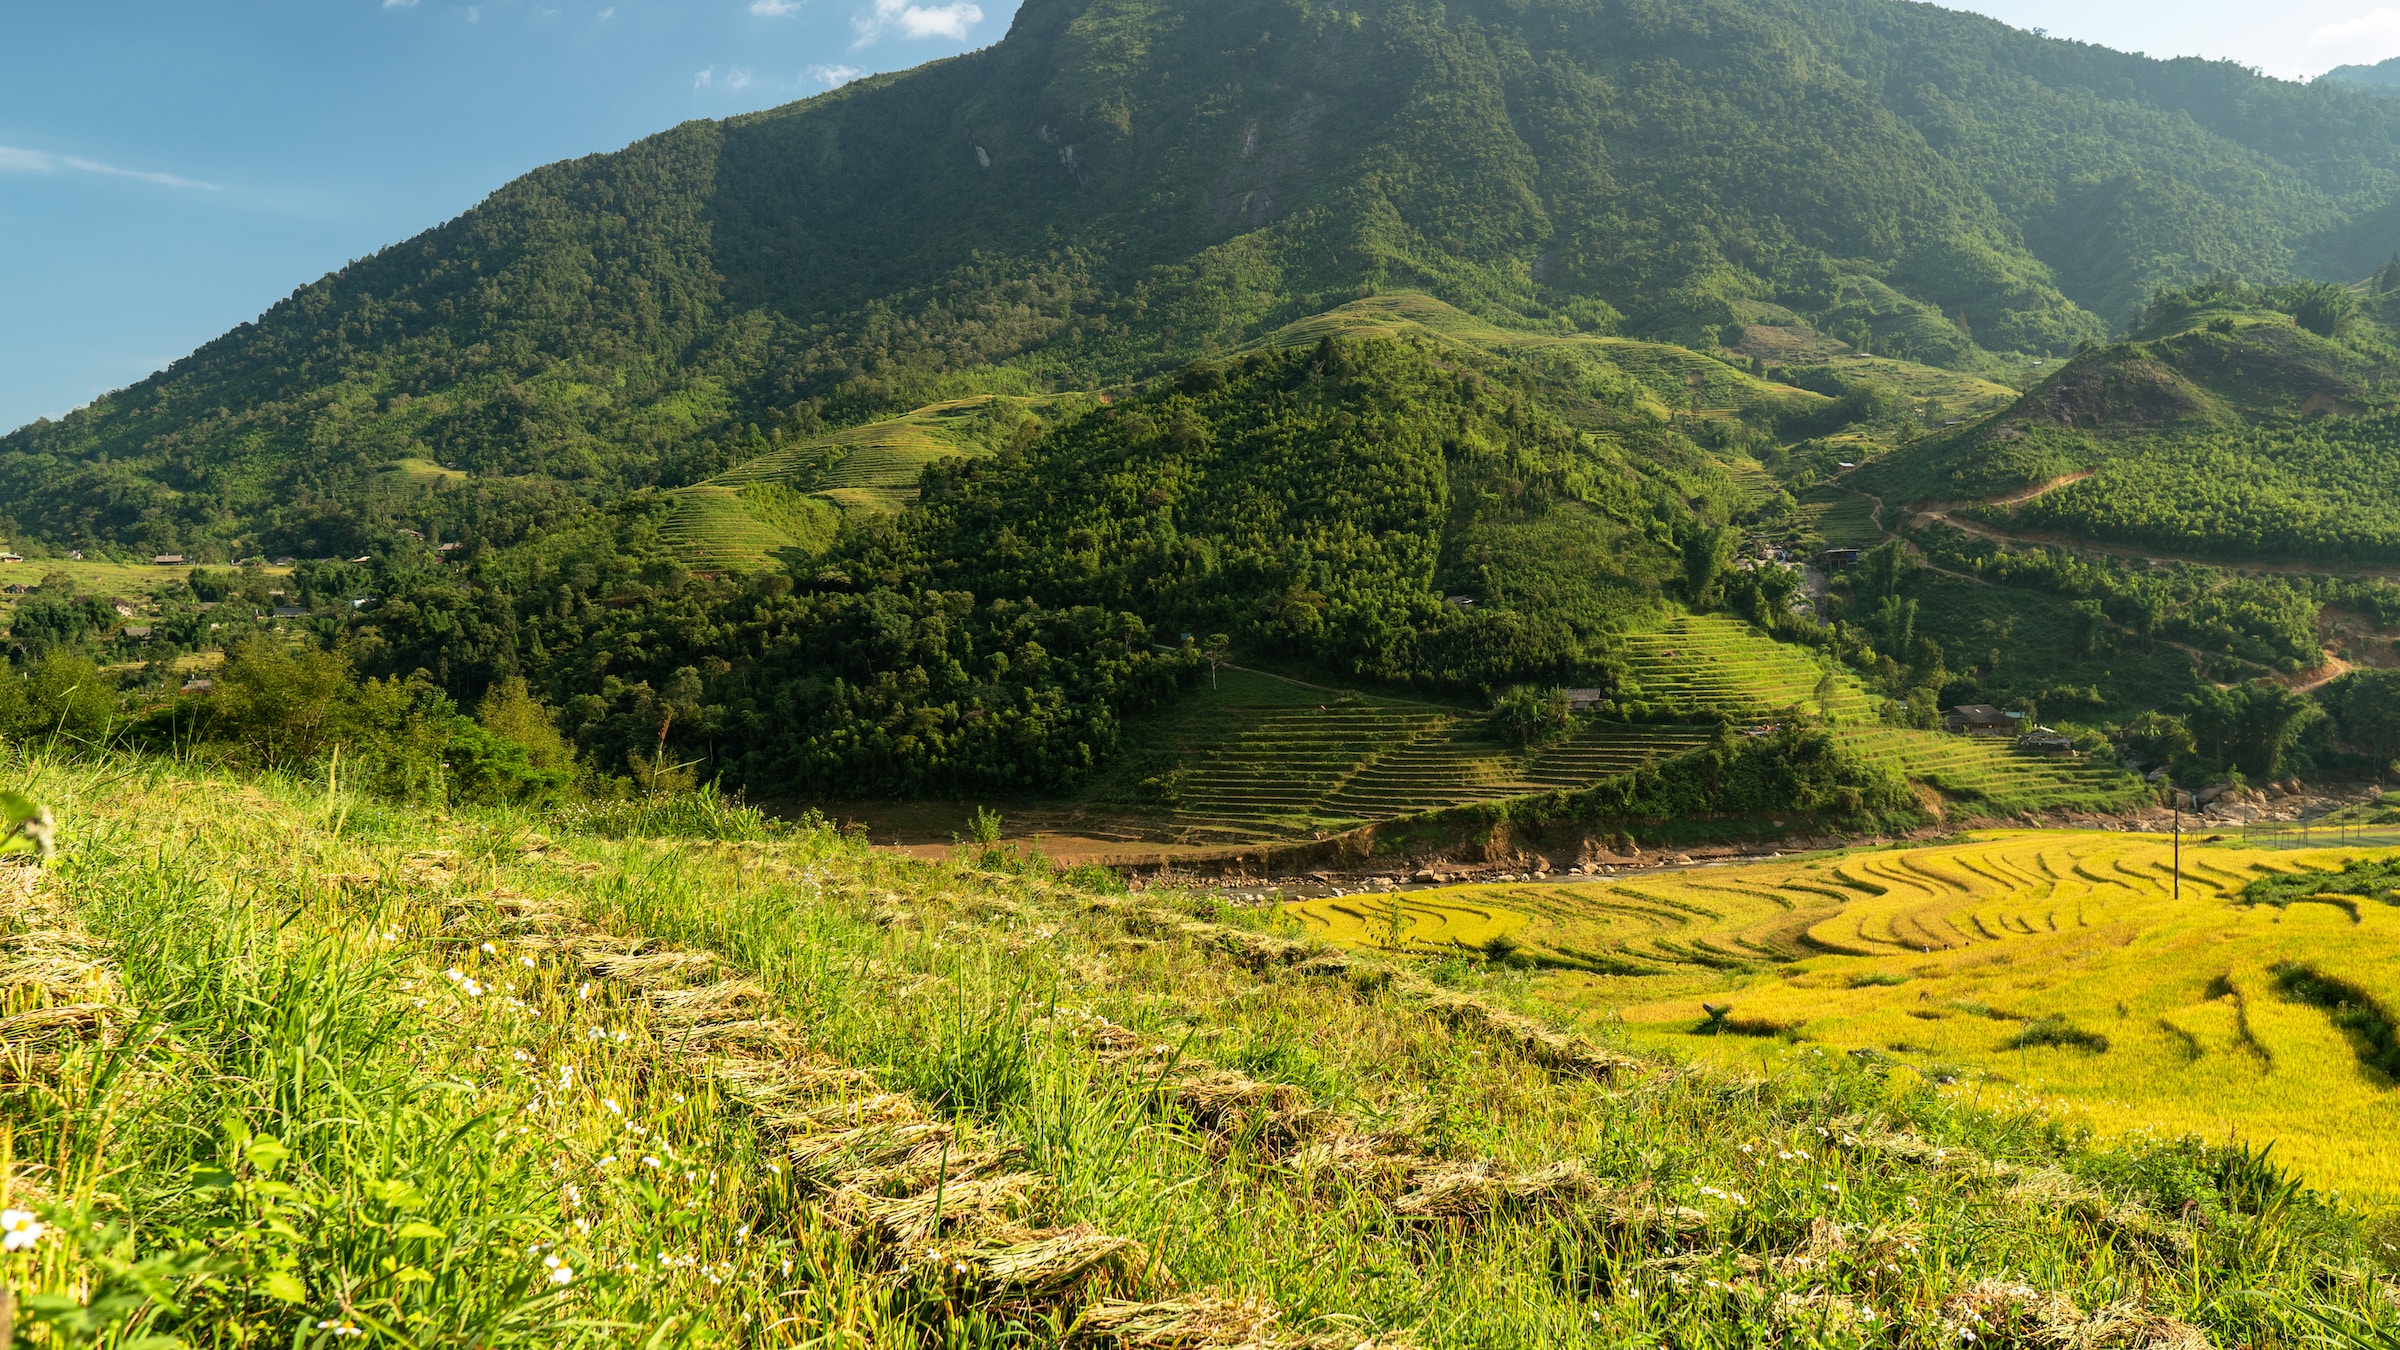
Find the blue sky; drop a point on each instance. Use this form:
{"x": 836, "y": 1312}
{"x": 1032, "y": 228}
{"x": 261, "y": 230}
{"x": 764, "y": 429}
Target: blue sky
{"x": 169, "y": 169}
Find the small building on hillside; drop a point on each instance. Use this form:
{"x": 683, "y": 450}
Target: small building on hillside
{"x": 1981, "y": 719}
{"x": 1585, "y": 700}
{"x": 2044, "y": 741}
{"x": 1836, "y": 559}
{"x": 138, "y": 632}
{"x": 166, "y": 560}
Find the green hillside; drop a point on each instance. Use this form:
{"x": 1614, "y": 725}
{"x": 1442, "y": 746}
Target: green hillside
{"x": 2235, "y": 422}
{"x": 785, "y": 503}
{"x": 1116, "y": 188}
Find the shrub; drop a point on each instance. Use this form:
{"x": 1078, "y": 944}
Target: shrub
{"x": 2057, "y": 1031}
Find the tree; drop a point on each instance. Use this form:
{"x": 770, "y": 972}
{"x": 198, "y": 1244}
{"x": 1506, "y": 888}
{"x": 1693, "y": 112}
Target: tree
{"x": 1215, "y": 651}
{"x": 1882, "y": 568}
{"x": 1526, "y": 716}
{"x": 2366, "y": 712}
{"x": 2324, "y": 308}
{"x": 2248, "y": 727}
{"x": 2085, "y": 623}
{"x": 1706, "y": 549}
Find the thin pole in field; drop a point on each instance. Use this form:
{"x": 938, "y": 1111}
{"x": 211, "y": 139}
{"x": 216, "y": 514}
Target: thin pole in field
{"x": 2178, "y": 799}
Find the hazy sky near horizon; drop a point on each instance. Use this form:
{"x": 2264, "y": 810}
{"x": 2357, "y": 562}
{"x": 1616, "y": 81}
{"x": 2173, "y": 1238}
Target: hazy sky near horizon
{"x": 169, "y": 170}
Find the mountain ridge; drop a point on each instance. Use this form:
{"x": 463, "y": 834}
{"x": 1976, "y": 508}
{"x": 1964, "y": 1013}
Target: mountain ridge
{"x": 1117, "y": 186}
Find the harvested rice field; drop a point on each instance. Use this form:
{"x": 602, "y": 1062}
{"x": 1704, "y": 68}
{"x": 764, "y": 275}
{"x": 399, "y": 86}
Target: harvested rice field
{"x": 2052, "y": 969}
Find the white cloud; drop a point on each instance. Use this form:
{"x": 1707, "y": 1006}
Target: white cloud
{"x": 775, "y": 9}
{"x": 16, "y": 160}
{"x": 917, "y": 21}
{"x": 2379, "y": 30}
{"x": 833, "y": 77}
{"x": 737, "y": 78}
{"x": 399, "y": 4}
{"x": 608, "y": 13}
{"x": 705, "y": 78}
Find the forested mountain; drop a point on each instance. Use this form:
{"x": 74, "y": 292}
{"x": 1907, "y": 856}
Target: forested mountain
{"x": 2381, "y": 78}
{"x": 1121, "y": 185}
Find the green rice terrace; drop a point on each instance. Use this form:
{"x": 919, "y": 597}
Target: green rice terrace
{"x": 1833, "y": 517}
{"x": 790, "y": 497}
{"x": 1264, "y": 757}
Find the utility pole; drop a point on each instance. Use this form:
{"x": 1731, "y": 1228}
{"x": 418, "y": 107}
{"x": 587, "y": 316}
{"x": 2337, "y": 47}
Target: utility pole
{"x": 2177, "y": 795}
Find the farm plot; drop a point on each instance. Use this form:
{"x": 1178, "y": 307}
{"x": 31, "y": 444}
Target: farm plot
{"x": 1260, "y": 756}
{"x": 1832, "y": 517}
{"x": 2053, "y": 969}
{"x": 1710, "y": 663}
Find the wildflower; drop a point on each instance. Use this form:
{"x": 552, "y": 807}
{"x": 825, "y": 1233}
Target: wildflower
{"x": 566, "y": 1076}
{"x": 560, "y": 1272}
{"x": 585, "y": 991}
{"x": 1833, "y": 1189}
{"x": 649, "y": 1161}
{"x": 611, "y": 1104}
{"x": 490, "y": 950}
{"x": 607, "y": 1160}
{"x": 19, "y": 1230}
{"x": 1785, "y": 1155}
{"x": 1745, "y": 1148}
{"x": 454, "y": 975}
{"x": 525, "y": 961}
{"x": 340, "y": 1329}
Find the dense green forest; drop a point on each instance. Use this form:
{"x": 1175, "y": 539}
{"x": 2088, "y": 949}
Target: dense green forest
{"x": 1117, "y": 188}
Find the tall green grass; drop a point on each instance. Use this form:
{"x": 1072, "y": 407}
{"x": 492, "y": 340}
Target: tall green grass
{"x": 299, "y": 1122}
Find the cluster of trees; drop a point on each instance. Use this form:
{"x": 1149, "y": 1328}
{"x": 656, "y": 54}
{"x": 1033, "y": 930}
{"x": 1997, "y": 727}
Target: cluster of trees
{"x": 2327, "y": 490}
{"x": 2266, "y": 621}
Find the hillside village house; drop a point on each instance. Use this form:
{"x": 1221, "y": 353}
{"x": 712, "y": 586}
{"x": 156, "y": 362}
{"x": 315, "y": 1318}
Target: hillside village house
{"x": 1981, "y": 719}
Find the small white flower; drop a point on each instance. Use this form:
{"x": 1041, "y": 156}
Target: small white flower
{"x": 454, "y": 975}
{"x": 490, "y": 950}
{"x": 611, "y": 1104}
{"x": 648, "y": 1161}
{"x": 19, "y": 1230}
{"x": 560, "y": 1272}
{"x": 585, "y": 991}
{"x": 526, "y": 961}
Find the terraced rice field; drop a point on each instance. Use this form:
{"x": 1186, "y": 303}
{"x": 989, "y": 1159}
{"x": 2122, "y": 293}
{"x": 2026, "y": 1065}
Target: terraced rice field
{"x": 1397, "y": 921}
{"x": 1994, "y": 774}
{"x": 2055, "y": 968}
{"x": 712, "y": 527}
{"x": 1262, "y": 756}
{"x": 1835, "y": 518}
{"x": 1711, "y": 663}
